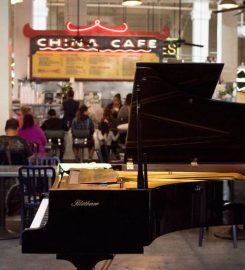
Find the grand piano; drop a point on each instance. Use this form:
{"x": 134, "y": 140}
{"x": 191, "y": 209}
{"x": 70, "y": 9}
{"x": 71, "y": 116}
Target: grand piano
{"x": 189, "y": 155}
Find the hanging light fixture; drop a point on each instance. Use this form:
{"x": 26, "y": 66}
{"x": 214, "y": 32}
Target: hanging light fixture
{"x": 13, "y": 2}
{"x": 228, "y": 4}
{"x": 131, "y": 3}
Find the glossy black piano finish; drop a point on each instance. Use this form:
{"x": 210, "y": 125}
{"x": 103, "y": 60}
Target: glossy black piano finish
{"x": 180, "y": 122}
{"x": 126, "y": 220}
{"x": 173, "y": 119}
{"x": 93, "y": 221}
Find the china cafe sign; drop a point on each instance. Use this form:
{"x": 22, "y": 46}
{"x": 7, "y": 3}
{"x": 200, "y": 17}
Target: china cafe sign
{"x": 100, "y": 38}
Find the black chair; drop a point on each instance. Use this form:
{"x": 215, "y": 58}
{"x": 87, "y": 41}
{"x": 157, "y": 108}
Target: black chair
{"x": 231, "y": 210}
{"x": 55, "y": 146}
{"x": 34, "y": 183}
{"x": 11, "y": 153}
{"x": 232, "y": 233}
{"x": 80, "y": 142}
{"x": 13, "y": 158}
{"x": 41, "y": 161}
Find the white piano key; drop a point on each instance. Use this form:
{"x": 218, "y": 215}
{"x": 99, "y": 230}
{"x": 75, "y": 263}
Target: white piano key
{"x": 40, "y": 214}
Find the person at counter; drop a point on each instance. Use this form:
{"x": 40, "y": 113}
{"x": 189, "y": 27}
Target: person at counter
{"x": 15, "y": 144}
{"x": 70, "y": 107}
{"x": 123, "y": 117}
{"x": 108, "y": 136}
{"x": 123, "y": 113}
{"x": 114, "y": 106}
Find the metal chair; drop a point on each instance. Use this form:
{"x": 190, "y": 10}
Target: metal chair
{"x": 233, "y": 235}
{"x": 11, "y": 153}
{"x": 42, "y": 161}
{"x": 34, "y": 183}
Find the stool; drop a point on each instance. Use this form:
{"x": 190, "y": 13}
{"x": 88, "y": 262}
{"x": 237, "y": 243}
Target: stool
{"x": 55, "y": 142}
{"x": 80, "y": 142}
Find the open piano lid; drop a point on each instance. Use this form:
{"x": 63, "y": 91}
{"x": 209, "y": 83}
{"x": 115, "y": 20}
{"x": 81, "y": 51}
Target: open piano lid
{"x": 179, "y": 120}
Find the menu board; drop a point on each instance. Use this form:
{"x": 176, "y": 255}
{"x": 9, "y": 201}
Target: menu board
{"x": 87, "y": 65}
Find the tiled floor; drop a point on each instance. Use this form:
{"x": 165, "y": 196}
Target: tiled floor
{"x": 175, "y": 251}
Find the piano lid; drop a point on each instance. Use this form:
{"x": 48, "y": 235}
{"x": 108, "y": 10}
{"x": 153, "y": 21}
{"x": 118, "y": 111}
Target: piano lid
{"x": 180, "y": 122}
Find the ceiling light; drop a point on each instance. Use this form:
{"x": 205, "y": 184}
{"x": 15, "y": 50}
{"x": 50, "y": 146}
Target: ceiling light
{"x": 131, "y": 3}
{"x": 228, "y": 4}
{"x": 13, "y": 2}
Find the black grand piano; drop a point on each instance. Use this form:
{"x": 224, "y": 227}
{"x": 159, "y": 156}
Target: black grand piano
{"x": 188, "y": 152}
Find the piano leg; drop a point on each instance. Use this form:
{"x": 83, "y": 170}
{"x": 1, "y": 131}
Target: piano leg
{"x": 84, "y": 261}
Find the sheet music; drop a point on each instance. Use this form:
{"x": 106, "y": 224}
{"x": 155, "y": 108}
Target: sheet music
{"x": 92, "y": 165}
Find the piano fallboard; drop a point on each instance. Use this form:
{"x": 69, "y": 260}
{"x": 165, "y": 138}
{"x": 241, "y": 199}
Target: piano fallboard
{"x": 92, "y": 221}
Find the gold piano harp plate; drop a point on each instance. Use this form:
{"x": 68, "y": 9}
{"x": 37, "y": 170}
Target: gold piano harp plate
{"x": 156, "y": 179}
{"x": 108, "y": 178}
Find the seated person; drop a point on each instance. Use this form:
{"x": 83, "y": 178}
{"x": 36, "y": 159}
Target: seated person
{"x": 53, "y": 122}
{"x": 18, "y": 147}
{"x": 23, "y": 111}
{"x": 33, "y": 134}
{"x": 83, "y": 122}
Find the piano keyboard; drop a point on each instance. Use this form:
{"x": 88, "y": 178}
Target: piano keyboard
{"x": 41, "y": 216}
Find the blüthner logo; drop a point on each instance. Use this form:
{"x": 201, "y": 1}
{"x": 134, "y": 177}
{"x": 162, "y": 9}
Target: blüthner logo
{"x": 81, "y": 203}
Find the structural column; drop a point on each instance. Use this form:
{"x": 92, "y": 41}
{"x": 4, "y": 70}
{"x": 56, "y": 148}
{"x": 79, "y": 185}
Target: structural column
{"x": 40, "y": 13}
{"x": 22, "y": 14}
{"x": 5, "y": 56}
{"x": 200, "y": 30}
{"x": 227, "y": 45}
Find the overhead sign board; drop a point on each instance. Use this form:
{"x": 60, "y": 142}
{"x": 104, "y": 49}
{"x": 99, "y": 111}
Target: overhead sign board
{"x": 94, "y": 52}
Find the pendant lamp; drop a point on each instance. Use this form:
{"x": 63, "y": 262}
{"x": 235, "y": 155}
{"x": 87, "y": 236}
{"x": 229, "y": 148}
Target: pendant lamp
{"x": 131, "y": 3}
{"x": 13, "y": 2}
{"x": 228, "y": 4}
